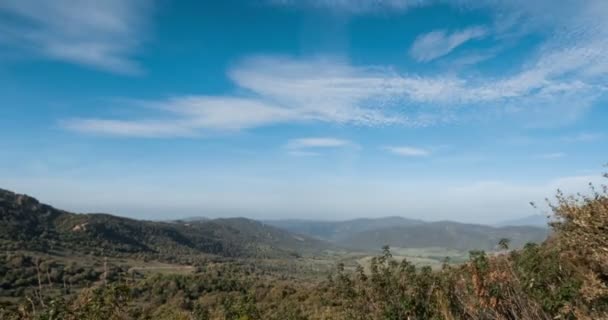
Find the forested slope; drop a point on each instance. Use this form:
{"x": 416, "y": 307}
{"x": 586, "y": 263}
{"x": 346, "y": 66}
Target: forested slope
{"x": 27, "y": 224}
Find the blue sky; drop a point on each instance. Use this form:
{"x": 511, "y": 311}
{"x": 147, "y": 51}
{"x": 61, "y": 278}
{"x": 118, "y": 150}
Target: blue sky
{"x": 461, "y": 110}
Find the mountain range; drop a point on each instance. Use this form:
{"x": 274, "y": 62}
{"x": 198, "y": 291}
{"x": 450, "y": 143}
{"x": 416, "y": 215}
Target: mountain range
{"x": 369, "y": 234}
{"x": 536, "y": 220}
{"x": 27, "y": 224}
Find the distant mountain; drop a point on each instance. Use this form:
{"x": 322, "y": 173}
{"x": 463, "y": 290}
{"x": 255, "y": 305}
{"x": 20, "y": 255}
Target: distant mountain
{"x": 535, "y": 220}
{"x": 336, "y": 230}
{"x": 191, "y": 219}
{"x": 28, "y": 224}
{"x": 451, "y": 235}
{"x": 371, "y": 234}
{"x": 272, "y": 237}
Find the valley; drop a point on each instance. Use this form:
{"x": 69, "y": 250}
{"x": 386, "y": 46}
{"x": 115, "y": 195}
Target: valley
{"x": 49, "y": 253}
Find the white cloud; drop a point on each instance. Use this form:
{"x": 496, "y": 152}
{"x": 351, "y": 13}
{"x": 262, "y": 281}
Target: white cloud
{"x": 281, "y": 90}
{"x": 275, "y": 90}
{"x": 229, "y": 113}
{"x": 143, "y": 129}
{"x": 311, "y": 146}
{"x": 408, "y": 151}
{"x": 100, "y": 34}
{"x": 322, "y": 89}
{"x": 355, "y": 6}
{"x": 300, "y": 153}
{"x": 438, "y": 43}
{"x": 189, "y": 115}
{"x": 553, "y": 155}
{"x": 556, "y": 85}
{"x": 317, "y": 142}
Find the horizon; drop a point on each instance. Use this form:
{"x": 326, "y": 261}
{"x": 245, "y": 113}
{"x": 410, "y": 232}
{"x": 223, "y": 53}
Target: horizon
{"x": 512, "y": 222}
{"x": 320, "y": 110}
{"x": 499, "y": 223}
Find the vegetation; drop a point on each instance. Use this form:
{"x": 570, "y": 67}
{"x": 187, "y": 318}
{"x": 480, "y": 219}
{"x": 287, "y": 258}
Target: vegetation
{"x": 565, "y": 277}
{"x": 26, "y": 224}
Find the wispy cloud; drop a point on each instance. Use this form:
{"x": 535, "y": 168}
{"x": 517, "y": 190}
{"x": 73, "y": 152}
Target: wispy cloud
{"x": 312, "y": 146}
{"x": 438, "y": 43}
{"x": 355, "y": 6}
{"x": 556, "y": 85}
{"x": 553, "y": 155}
{"x": 301, "y": 153}
{"x": 187, "y": 116}
{"x": 583, "y": 137}
{"x": 408, "y": 151}
{"x": 317, "y": 142}
{"x": 130, "y": 128}
{"x": 99, "y": 34}
{"x": 273, "y": 90}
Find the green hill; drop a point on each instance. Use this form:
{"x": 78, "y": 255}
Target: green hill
{"x": 27, "y": 224}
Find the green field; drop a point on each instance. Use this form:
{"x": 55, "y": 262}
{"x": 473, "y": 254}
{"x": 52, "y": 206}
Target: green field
{"x": 432, "y": 257}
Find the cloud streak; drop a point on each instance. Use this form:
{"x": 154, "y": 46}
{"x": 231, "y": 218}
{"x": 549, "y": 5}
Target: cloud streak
{"x": 98, "y": 34}
{"x": 438, "y": 43}
{"x": 311, "y": 146}
{"x": 317, "y": 142}
{"x": 354, "y": 6}
{"x": 277, "y": 90}
{"x": 552, "y": 156}
{"x": 555, "y": 86}
{"x": 406, "y": 151}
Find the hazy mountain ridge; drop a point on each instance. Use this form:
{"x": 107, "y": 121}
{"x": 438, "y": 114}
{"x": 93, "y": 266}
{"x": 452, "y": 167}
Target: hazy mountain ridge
{"x": 535, "y": 220}
{"x": 446, "y": 234}
{"x": 336, "y": 230}
{"x": 29, "y": 224}
{"x": 371, "y": 234}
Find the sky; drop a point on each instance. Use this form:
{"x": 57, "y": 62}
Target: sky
{"x": 432, "y": 109}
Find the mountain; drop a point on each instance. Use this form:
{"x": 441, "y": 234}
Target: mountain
{"x": 27, "y": 224}
{"x": 371, "y": 234}
{"x": 336, "y": 230}
{"x": 444, "y": 234}
{"x": 190, "y": 219}
{"x": 535, "y": 220}
{"x": 263, "y": 234}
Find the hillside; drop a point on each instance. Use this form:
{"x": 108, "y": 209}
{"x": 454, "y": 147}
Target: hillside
{"x": 268, "y": 235}
{"x": 27, "y": 224}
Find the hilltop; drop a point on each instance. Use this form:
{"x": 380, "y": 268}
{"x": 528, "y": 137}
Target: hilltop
{"x": 28, "y": 224}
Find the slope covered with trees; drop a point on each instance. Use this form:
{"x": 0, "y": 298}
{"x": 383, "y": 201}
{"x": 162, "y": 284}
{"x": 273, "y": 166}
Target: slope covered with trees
{"x": 26, "y": 224}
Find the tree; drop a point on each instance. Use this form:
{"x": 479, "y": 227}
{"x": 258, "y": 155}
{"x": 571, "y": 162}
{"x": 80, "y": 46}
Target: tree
{"x": 503, "y": 244}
